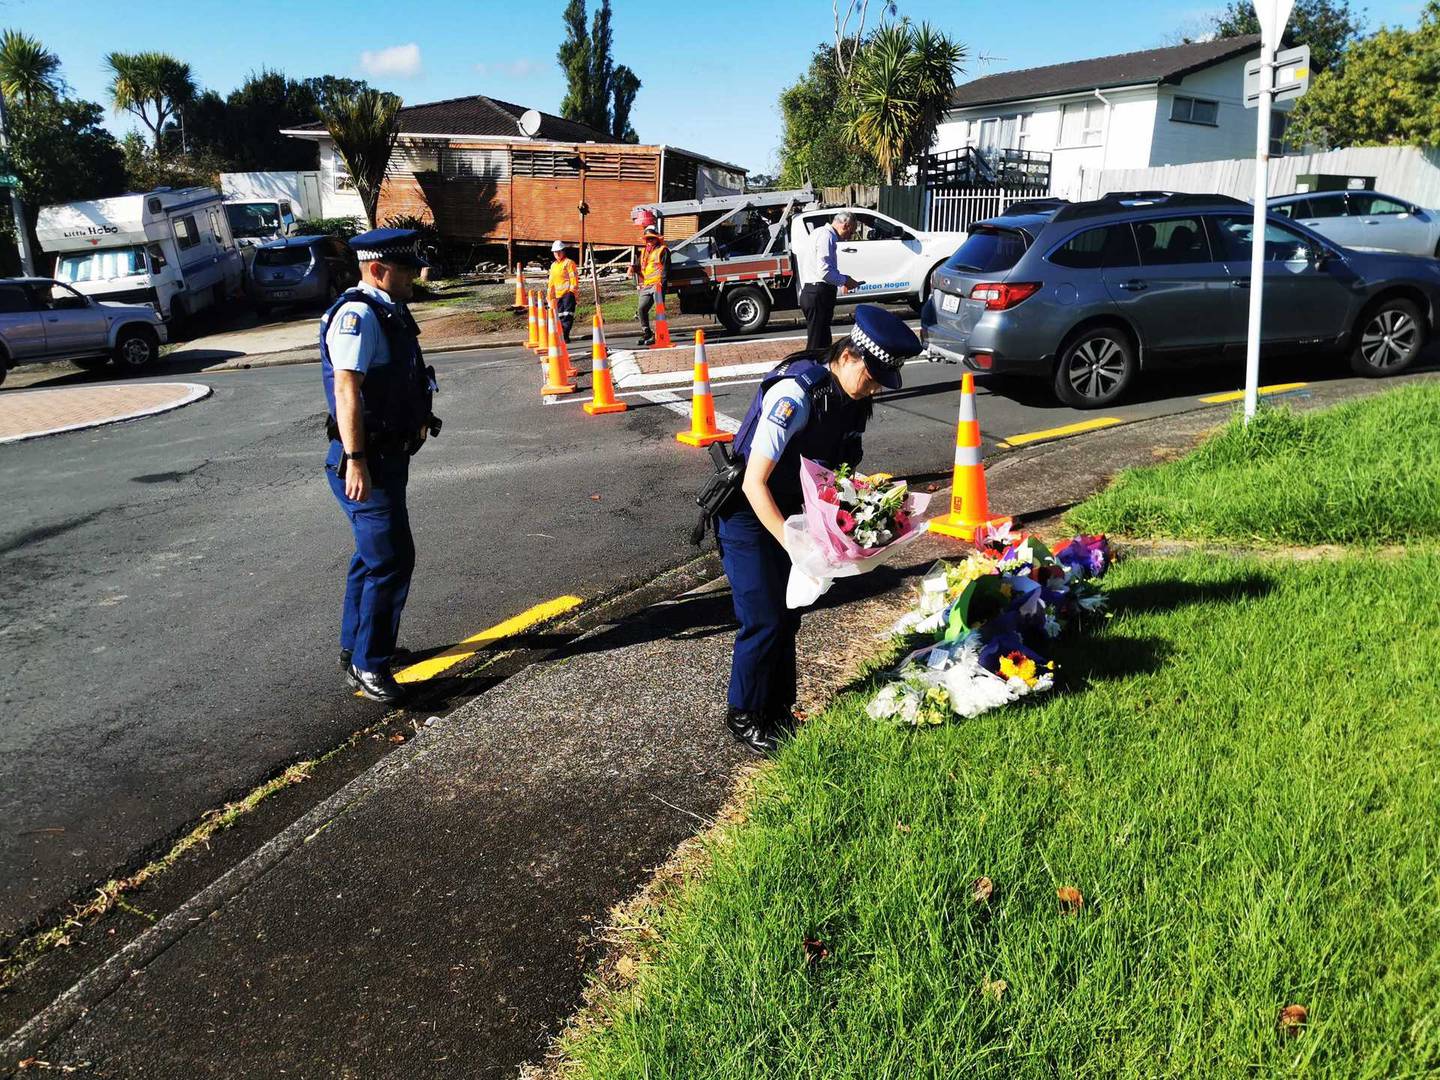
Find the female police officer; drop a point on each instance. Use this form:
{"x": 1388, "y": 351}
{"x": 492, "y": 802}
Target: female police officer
{"x": 815, "y": 405}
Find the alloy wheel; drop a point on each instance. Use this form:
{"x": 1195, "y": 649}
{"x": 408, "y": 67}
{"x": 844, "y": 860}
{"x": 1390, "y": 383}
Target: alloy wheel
{"x": 1097, "y": 367}
{"x": 1389, "y": 339}
{"x": 136, "y": 352}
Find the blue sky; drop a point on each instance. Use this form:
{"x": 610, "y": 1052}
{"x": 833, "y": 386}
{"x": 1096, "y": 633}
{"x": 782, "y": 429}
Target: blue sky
{"x": 712, "y": 71}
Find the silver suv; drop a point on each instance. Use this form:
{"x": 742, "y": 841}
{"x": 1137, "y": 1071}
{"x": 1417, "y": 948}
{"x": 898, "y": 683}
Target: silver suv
{"x": 43, "y": 319}
{"x": 1086, "y": 295}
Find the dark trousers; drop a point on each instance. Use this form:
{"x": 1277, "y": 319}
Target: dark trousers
{"x": 565, "y": 313}
{"x": 762, "y": 672}
{"x": 643, "y": 308}
{"x": 817, "y": 301}
{"x": 378, "y": 581}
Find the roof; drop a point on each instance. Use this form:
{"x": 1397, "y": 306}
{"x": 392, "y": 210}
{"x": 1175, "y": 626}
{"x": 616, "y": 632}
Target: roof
{"x": 1152, "y": 66}
{"x": 482, "y": 116}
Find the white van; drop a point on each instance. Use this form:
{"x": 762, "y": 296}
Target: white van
{"x": 171, "y": 249}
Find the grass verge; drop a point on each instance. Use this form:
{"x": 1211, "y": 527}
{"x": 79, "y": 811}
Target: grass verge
{"x": 1366, "y": 471}
{"x": 1250, "y": 817}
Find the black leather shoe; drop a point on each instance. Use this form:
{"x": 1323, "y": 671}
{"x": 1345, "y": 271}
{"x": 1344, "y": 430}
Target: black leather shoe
{"x": 376, "y": 685}
{"x": 783, "y": 722}
{"x": 645, "y": 341}
{"x": 751, "y": 730}
{"x": 399, "y": 656}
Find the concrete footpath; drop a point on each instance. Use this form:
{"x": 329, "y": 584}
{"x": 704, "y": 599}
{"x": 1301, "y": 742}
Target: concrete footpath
{"x": 436, "y": 917}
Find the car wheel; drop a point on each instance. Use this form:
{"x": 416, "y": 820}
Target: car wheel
{"x": 136, "y": 348}
{"x": 1389, "y": 338}
{"x": 4, "y": 366}
{"x": 745, "y": 310}
{"x": 1095, "y": 368}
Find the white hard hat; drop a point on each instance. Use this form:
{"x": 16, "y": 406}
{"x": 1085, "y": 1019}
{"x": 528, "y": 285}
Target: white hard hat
{"x": 558, "y": 245}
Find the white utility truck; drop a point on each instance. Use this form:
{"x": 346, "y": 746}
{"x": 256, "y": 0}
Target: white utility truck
{"x": 171, "y": 249}
{"x": 752, "y": 254}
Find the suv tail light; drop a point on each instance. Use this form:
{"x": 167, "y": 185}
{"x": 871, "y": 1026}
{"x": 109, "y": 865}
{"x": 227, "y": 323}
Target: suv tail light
{"x": 1001, "y": 296}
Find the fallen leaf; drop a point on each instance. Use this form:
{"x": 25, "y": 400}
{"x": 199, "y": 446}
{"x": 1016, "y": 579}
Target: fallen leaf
{"x": 397, "y": 738}
{"x": 1071, "y": 900}
{"x": 815, "y": 950}
{"x": 594, "y": 498}
{"x": 981, "y": 889}
{"x": 1292, "y": 1019}
{"x": 932, "y": 488}
{"x": 625, "y": 968}
{"x": 995, "y": 989}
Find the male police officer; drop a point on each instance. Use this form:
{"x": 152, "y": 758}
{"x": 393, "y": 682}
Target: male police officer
{"x": 815, "y": 405}
{"x": 379, "y": 391}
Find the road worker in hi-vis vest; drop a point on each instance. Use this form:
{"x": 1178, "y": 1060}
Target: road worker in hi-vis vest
{"x": 564, "y": 288}
{"x": 651, "y": 273}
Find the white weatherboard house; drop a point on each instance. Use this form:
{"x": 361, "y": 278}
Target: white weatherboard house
{"x": 1167, "y": 106}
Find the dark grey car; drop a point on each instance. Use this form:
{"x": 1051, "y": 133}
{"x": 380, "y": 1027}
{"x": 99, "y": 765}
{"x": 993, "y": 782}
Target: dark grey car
{"x": 301, "y": 270}
{"x": 1086, "y": 295}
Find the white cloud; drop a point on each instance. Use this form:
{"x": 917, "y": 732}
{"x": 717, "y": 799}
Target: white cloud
{"x": 514, "y": 69}
{"x": 398, "y": 61}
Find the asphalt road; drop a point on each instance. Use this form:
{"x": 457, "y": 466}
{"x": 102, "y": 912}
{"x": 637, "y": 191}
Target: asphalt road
{"x": 168, "y": 626}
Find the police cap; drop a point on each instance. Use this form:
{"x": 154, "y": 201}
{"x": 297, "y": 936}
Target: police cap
{"x": 885, "y": 342}
{"x": 398, "y": 246}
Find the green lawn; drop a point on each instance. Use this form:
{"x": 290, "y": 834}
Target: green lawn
{"x": 1366, "y": 471}
{"x": 1243, "y": 780}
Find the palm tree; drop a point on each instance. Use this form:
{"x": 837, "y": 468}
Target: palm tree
{"x": 364, "y": 127}
{"x": 28, "y": 70}
{"x": 150, "y": 82}
{"x": 901, "y": 85}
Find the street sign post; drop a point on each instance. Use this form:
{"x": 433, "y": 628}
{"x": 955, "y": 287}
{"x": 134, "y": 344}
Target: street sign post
{"x": 1292, "y": 76}
{"x": 1273, "y": 15}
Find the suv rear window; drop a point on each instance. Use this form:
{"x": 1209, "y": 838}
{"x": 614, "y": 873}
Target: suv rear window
{"x": 1094, "y": 249}
{"x": 286, "y": 256}
{"x": 988, "y": 249}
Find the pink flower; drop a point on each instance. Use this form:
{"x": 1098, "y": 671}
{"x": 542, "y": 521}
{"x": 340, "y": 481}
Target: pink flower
{"x": 902, "y": 521}
{"x": 829, "y": 495}
{"x": 845, "y": 521}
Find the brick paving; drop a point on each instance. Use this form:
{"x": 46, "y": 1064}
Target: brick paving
{"x": 26, "y": 414}
{"x": 717, "y": 354}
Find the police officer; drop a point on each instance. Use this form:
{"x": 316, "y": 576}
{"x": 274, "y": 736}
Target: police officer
{"x": 815, "y": 404}
{"x": 379, "y": 392}
{"x": 564, "y": 287}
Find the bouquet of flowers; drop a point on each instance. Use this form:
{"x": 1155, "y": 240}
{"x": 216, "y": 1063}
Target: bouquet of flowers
{"x": 850, "y": 525}
{"x": 986, "y": 617}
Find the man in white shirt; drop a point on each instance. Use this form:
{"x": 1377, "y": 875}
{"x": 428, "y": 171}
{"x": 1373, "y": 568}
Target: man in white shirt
{"x": 817, "y": 298}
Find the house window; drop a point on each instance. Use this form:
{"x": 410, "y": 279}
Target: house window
{"x": 1082, "y": 123}
{"x": 1189, "y": 110}
{"x": 1022, "y": 131}
{"x": 468, "y": 164}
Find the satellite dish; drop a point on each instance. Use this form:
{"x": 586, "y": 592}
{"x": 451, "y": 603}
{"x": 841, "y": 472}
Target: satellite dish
{"x": 530, "y": 123}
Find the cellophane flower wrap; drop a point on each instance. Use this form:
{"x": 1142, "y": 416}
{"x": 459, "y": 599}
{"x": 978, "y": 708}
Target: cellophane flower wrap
{"x": 989, "y": 618}
{"x": 851, "y": 524}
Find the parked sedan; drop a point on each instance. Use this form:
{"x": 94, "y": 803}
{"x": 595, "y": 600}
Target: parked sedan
{"x": 43, "y": 319}
{"x": 1364, "y": 220}
{"x": 1088, "y": 295}
{"x": 301, "y": 270}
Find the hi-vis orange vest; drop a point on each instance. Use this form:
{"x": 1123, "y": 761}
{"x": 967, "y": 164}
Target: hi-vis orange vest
{"x": 652, "y": 265}
{"x": 564, "y": 278}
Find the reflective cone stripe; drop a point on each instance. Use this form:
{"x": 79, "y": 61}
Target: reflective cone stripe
{"x": 662, "y": 327}
{"x": 519, "y": 285}
{"x": 601, "y": 382}
{"x": 555, "y": 380}
{"x": 542, "y": 329}
{"x": 565, "y": 366}
{"x": 969, "y": 501}
{"x": 702, "y": 431}
{"x": 532, "y": 337}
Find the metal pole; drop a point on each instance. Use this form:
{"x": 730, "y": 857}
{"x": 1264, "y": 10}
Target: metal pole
{"x": 1257, "y": 229}
{"x": 22, "y": 228}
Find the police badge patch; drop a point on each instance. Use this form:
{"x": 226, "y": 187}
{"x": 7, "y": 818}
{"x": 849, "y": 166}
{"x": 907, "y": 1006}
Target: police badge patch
{"x": 350, "y": 323}
{"x": 783, "y": 411}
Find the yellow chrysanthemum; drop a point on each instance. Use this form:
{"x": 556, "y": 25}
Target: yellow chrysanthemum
{"x": 1018, "y": 666}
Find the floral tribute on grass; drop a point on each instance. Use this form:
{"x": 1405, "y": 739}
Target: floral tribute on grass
{"x": 990, "y": 616}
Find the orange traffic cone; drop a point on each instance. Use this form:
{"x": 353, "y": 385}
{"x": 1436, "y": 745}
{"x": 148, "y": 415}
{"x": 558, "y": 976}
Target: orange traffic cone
{"x": 601, "y": 382}
{"x": 969, "y": 504}
{"x": 662, "y": 327}
{"x": 559, "y": 333}
{"x": 556, "y": 381}
{"x": 519, "y": 286}
{"x": 532, "y": 336}
{"x": 542, "y": 329}
{"x": 702, "y": 431}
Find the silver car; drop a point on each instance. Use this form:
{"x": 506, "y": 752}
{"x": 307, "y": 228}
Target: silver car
{"x": 1087, "y": 295}
{"x": 43, "y": 319}
{"x": 301, "y": 270}
{"x": 1364, "y": 220}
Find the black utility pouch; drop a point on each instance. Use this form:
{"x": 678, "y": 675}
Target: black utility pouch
{"x": 719, "y": 492}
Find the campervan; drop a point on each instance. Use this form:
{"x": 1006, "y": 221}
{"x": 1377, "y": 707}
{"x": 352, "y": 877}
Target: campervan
{"x": 171, "y": 249}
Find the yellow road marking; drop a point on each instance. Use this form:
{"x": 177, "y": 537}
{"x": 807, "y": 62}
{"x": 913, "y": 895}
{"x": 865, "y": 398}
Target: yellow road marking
{"x": 429, "y": 668}
{"x": 1239, "y": 395}
{"x": 1061, "y": 432}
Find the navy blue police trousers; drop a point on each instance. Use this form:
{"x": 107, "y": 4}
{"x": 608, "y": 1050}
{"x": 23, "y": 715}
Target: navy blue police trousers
{"x": 762, "y": 673}
{"x": 378, "y": 581}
